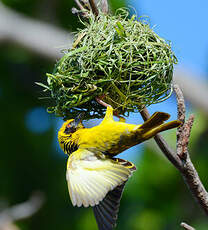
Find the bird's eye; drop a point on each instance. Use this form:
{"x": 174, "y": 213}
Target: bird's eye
{"x": 70, "y": 128}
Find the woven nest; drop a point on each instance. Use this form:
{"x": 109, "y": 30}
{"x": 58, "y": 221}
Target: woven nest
{"x": 117, "y": 58}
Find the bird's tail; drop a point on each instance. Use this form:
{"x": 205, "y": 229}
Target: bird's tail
{"x": 106, "y": 212}
{"x": 155, "y": 124}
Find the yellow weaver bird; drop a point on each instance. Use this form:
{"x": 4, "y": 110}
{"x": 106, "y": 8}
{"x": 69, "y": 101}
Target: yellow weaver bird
{"x": 94, "y": 176}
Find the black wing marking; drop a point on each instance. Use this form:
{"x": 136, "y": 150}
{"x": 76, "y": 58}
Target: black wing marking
{"x": 106, "y": 212}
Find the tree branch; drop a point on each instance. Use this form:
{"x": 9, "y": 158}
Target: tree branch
{"x": 189, "y": 84}
{"x": 87, "y": 5}
{"x": 163, "y": 145}
{"x": 181, "y": 158}
{"x": 84, "y": 8}
{"x": 81, "y": 7}
{"x": 105, "y": 7}
{"x": 94, "y": 7}
{"x": 21, "y": 211}
{"x": 39, "y": 37}
{"x": 187, "y": 227}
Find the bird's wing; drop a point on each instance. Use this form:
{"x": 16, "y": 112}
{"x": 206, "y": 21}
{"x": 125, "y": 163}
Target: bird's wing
{"x": 155, "y": 124}
{"x": 106, "y": 211}
{"x": 91, "y": 176}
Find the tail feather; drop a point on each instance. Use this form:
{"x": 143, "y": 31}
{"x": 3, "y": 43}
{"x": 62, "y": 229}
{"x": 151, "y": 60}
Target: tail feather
{"x": 106, "y": 212}
{"x": 155, "y": 120}
{"x": 155, "y": 124}
{"x": 152, "y": 132}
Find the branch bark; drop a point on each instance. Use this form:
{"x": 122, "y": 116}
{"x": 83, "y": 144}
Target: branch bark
{"x": 20, "y": 211}
{"x": 94, "y": 7}
{"x": 194, "y": 88}
{"x": 105, "y": 7}
{"x": 187, "y": 227}
{"x": 40, "y": 38}
{"x": 163, "y": 145}
{"x": 181, "y": 158}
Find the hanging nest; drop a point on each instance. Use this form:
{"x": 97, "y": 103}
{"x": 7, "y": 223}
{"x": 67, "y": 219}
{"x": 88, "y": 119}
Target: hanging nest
{"x": 117, "y": 58}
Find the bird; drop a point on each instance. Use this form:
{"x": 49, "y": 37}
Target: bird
{"x": 95, "y": 176}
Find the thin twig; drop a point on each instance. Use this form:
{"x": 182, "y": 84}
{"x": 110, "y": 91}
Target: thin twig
{"x": 101, "y": 102}
{"x": 115, "y": 113}
{"x": 105, "y": 6}
{"x": 94, "y": 7}
{"x": 38, "y": 37}
{"x": 194, "y": 90}
{"x": 83, "y": 11}
{"x": 187, "y": 168}
{"x": 74, "y": 10}
{"x": 163, "y": 145}
{"x": 81, "y": 7}
{"x": 181, "y": 158}
{"x": 181, "y": 116}
{"x": 187, "y": 227}
{"x": 183, "y": 146}
{"x": 22, "y": 210}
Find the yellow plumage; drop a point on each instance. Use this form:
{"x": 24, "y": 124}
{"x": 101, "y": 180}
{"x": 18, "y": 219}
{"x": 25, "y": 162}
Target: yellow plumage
{"x": 95, "y": 178}
{"x": 90, "y": 177}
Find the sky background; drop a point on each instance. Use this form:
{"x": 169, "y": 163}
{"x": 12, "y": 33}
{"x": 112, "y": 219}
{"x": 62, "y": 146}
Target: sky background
{"x": 184, "y": 23}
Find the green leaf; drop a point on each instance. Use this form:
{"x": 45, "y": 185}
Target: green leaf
{"x": 42, "y": 85}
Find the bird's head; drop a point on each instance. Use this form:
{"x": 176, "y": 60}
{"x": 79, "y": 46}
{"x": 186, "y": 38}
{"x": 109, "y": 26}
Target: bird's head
{"x": 66, "y": 137}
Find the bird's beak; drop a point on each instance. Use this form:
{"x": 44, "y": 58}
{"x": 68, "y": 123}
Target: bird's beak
{"x": 78, "y": 119}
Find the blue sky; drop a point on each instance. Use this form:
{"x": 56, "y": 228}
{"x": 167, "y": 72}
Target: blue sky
{"x": 184, "y": 23}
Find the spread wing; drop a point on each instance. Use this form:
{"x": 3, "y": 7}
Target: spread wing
{"x": 106, "y": 212}
{"x": 91, "y": 176}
